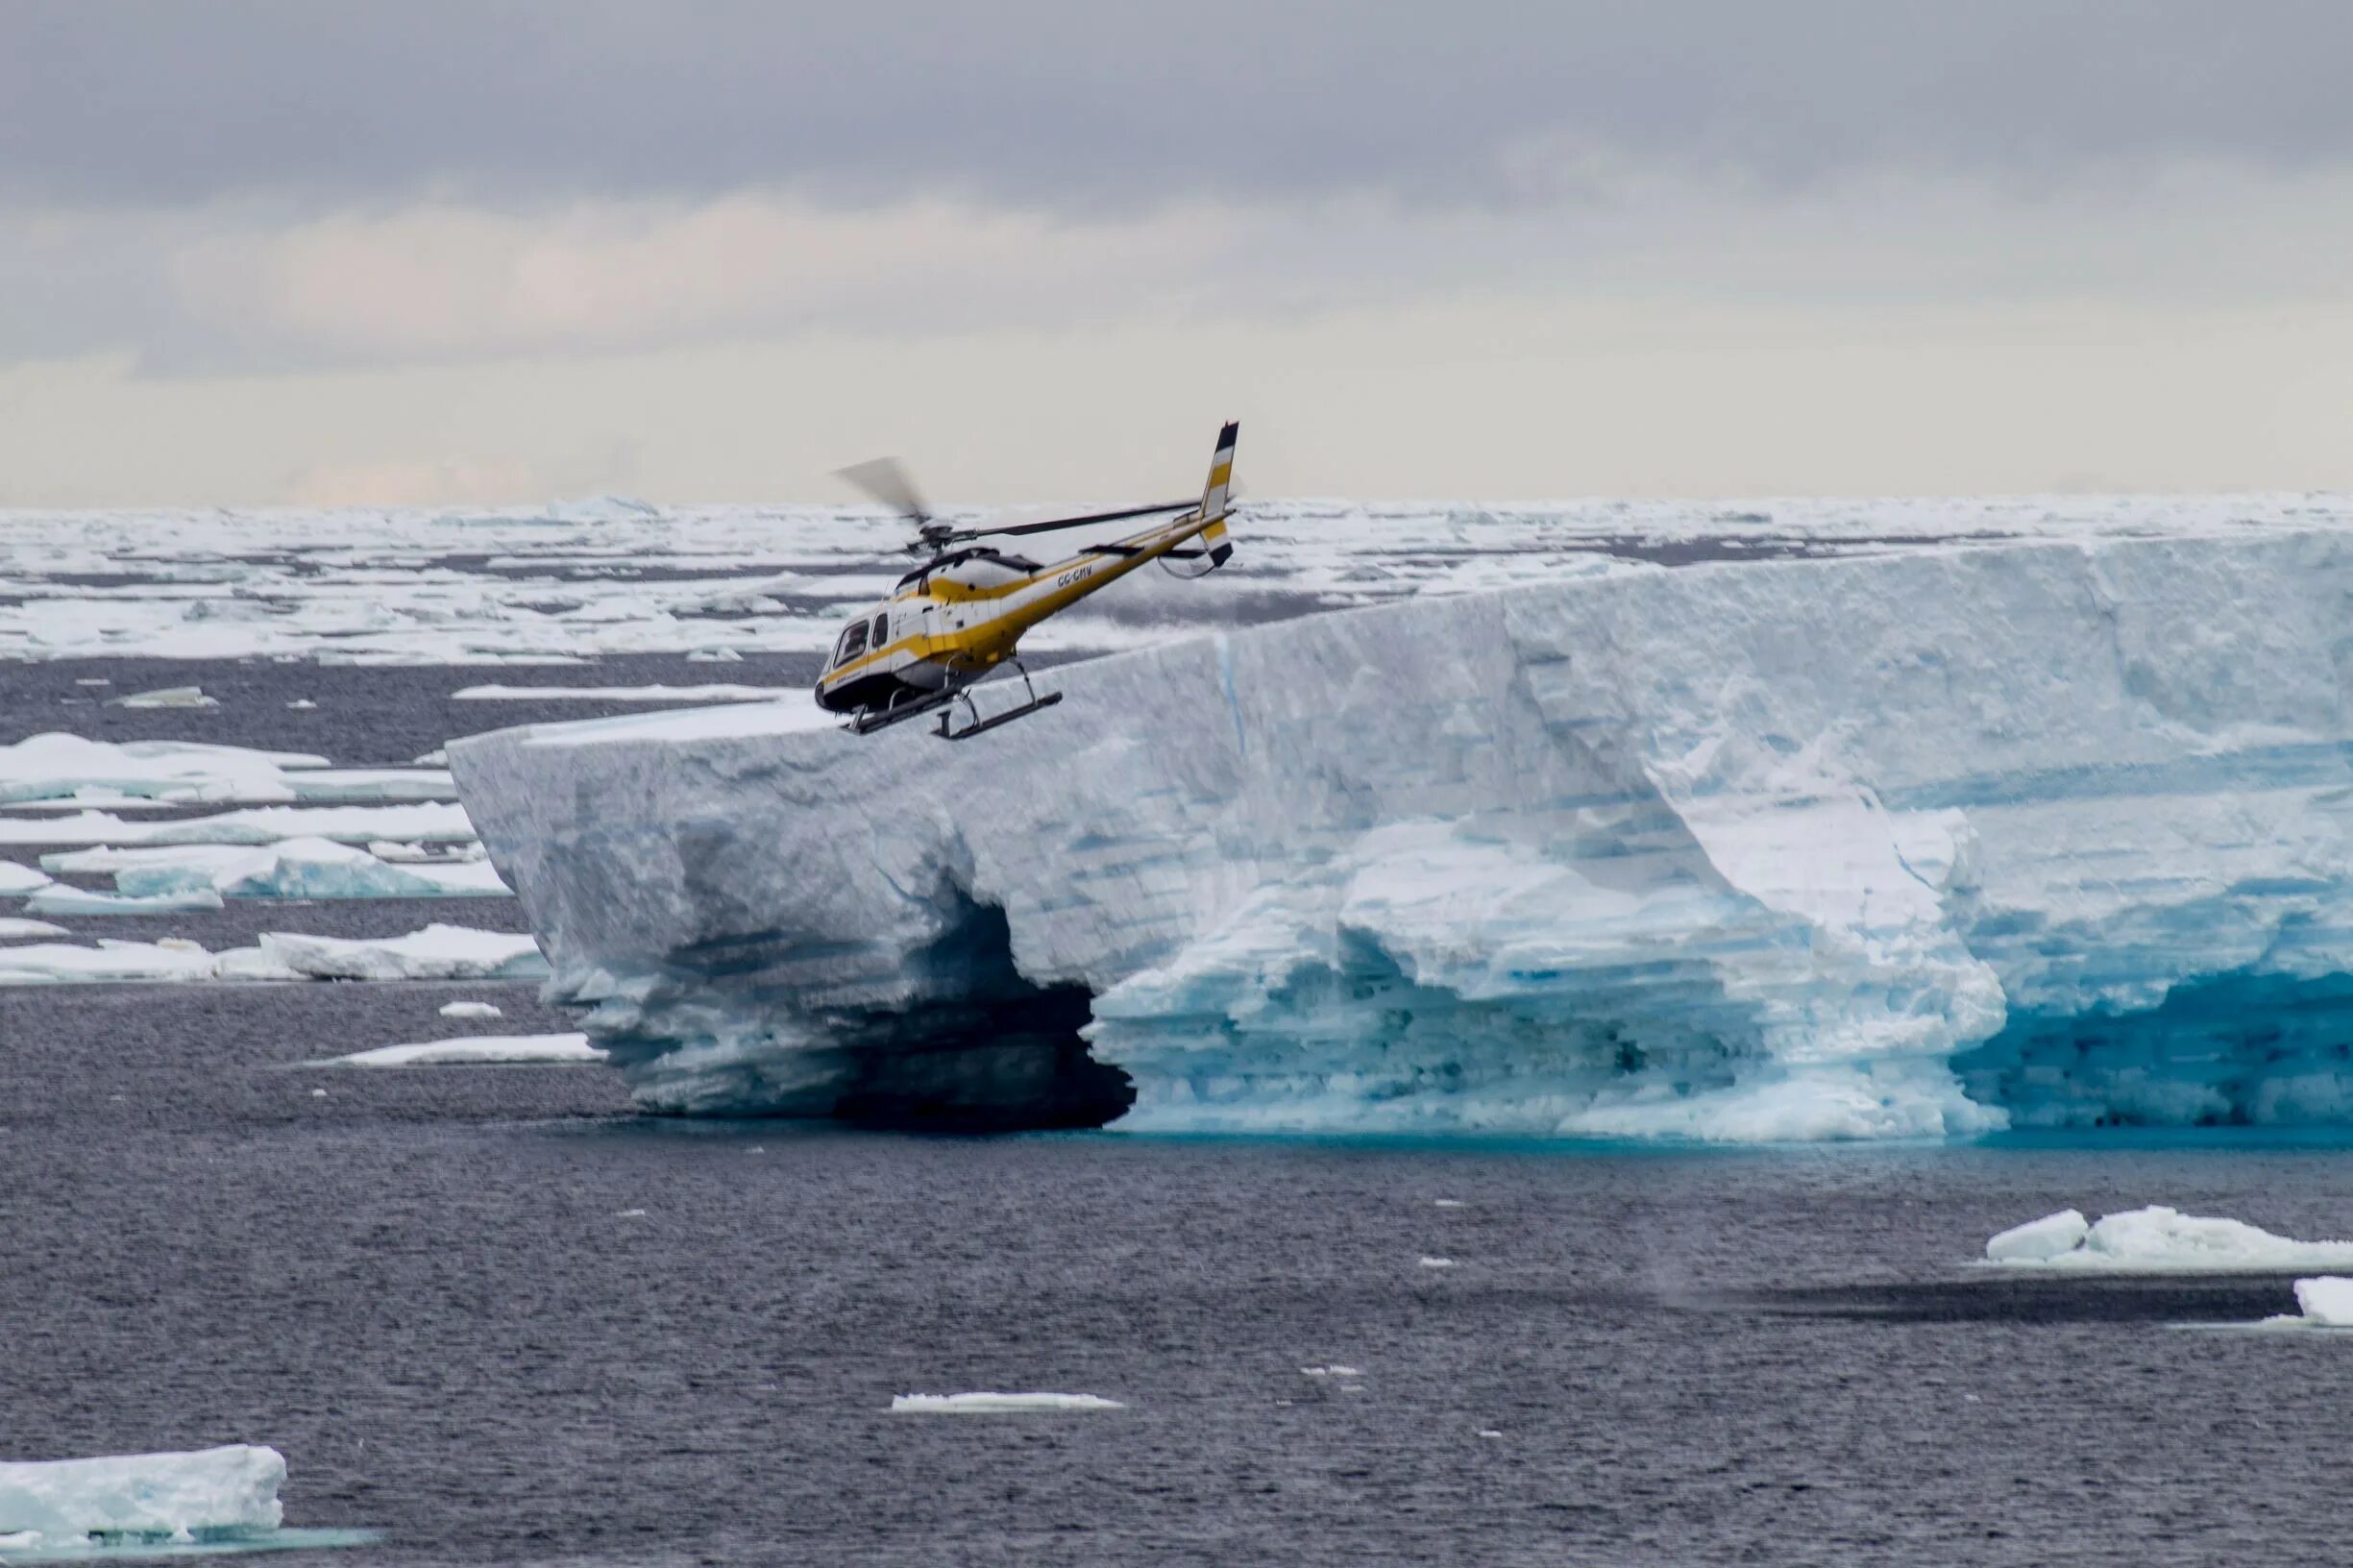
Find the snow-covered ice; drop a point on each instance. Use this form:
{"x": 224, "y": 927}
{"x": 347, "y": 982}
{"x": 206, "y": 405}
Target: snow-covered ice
{"x": 16, "y": 880}
{"x": 2158, "y": 1240}
{"x": 288, "y": 869}
{"x": 206, "y": 1495}
{"x": 997, "y": 1403}
{"x": 434, "y": 952}
{"x": 61, "y": 767}
{"x": 57, "y": 899}
{"x": 470, "y": 1010}
{"x": 438, "y": 821}
{"x": 15, "y": 928}
{"x": 475, "y": 1050}
{"x": 519, "y": 586}
{"x": 1902, "y": 842}
{"x": 2326, "y": 1302}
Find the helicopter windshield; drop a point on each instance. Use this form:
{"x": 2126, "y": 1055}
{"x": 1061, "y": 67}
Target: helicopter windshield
{"x": 852, "y": 645}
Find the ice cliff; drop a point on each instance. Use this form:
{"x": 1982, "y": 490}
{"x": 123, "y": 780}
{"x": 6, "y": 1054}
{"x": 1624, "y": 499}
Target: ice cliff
{"x": 1915, "y": 844}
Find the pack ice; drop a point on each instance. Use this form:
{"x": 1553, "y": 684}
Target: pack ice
{"x": 1921, "y": 842}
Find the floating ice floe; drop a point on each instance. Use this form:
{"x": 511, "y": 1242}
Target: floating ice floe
{"x": 290, "y": 869}
{"x": 210, "y": 1494}
{"x": 626, "y": 693}
{"x": 14, "y": 929}
{"x": 470, "y": 1010}
{"x": 1335, "y": 1370}
{"x": 474, "y": 1050}
{"x": 433, "y": 821}
{"x": 1437, "y": 1262}
{"x": 2157, "y": 1240}
{"x": 15, "y": 879}
{"x": 56, "y": 898}
{"x": 58, "y": 767}
{"x": 436, "y": 952}
{"x": 997, "y": 1403}
{"x": 168, "y": 697}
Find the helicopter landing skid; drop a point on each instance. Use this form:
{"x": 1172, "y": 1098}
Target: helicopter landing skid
{"x": 947, "y": 731}
{"x": 875, "y": 719}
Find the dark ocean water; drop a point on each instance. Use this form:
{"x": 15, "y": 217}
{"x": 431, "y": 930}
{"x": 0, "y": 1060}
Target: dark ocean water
{"x": 497, "y": 1316}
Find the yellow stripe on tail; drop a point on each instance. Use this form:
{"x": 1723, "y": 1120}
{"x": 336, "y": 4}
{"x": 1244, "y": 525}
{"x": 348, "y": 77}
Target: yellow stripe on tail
{"x": 1213, "y": 549}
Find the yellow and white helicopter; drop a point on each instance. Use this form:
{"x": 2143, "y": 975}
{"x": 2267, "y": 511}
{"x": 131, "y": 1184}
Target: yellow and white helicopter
{"x": 960, "y": 614}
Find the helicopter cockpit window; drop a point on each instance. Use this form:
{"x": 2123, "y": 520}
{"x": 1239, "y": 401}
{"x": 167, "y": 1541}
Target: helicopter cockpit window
{"x": 852, "y": 644}
{"x": 882, "y": 628}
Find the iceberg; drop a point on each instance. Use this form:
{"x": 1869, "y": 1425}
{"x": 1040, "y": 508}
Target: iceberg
{"x": 2158, "y": 1240}
{"x": 211, "y": 1495}
{"x": 1916, "y": 843}
{"x": 289, "y": 869}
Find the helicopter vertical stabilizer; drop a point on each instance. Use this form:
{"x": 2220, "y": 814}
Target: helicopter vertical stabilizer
{"x": 1214, "y": 550}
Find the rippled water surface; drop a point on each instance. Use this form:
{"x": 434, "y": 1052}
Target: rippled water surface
{"x": 497, "y": 1318}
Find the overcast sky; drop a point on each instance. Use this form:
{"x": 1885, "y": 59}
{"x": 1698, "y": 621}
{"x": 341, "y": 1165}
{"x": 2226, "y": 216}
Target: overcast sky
{"x": 427, "y": 253}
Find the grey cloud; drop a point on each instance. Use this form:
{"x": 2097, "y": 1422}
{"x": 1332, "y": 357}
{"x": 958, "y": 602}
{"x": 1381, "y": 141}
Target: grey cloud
{"x": 1080, "y": 103}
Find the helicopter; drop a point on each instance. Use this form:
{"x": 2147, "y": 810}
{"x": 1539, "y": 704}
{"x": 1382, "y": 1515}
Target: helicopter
{"x": 961, "y": 614}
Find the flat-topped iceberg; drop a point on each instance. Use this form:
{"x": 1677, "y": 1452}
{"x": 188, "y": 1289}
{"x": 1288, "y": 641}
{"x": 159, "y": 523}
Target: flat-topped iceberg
{"x": 1915, "y": 844}
{"x": 211, "y": 1495}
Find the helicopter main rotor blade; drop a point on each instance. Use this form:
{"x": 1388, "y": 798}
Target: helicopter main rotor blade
{"x": 888, "y": 482}
{"x": 1121, "y": 516}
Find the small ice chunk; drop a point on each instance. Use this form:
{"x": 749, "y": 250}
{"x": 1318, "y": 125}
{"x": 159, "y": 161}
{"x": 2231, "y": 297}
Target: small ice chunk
{"x": 92, "y": 680}
{"x": 1437, "y": 1262}
{"x": 1488, "y": 1431}
{"x": 470, "y": 1010}
{"x": 997, "y": 1403}
{"x": 13, "y": 929}
{"x": 2327, "y": 1300}
{"x": 208, "y": 1494}
{"x": 318, "y": 1093}
{"x": 473, "y": 1051}
{"x": 630, "y": 1214}
{"x": 2039, "y": 1240}
{"x": 168, "y": 697}
{"x": 57, "y": 899}
{"x": 1451, "y": 1203}
{"x": 437, "y": 757}
{"x": 15, "y": 879}
{"x": 1335, "y": 1370}
{"x": 302, "y": 704}
{"x": 715, "y": 656}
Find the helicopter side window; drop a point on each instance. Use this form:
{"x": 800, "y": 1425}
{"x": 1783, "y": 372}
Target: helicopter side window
{"x": 882, "y": 628}
{"x": 853, "y": 643}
